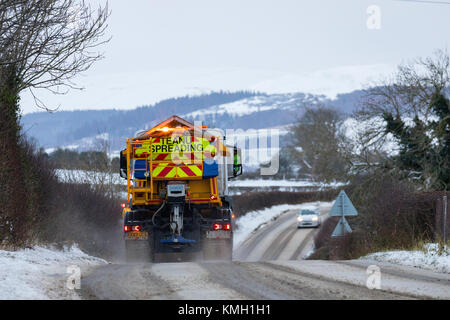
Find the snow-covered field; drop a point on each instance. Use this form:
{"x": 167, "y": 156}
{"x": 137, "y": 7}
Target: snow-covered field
{"x": 282, "y": 183}
{"x": 92, "y": 177}
{"x": 40, "y": 273}
{"x": 431, "y": 258}
{"x": 89, "y": 177}
{"x": 254, "y": 220}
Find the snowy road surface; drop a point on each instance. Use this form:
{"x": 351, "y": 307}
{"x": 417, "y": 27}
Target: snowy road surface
{"x": 266, "y": 265}
{"x": 280, "y": 240}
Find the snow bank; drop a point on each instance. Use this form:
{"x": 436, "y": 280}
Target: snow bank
{"x": 40, "y": 273}
{"x": 254, "y": 220}
{"x": 431, "y": 258}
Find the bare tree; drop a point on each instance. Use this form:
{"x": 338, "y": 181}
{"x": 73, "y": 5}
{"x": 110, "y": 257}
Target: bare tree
{"x": 319, "y": 135}
{"x": 44, "y": 44}
{"x": 410, "y": 111}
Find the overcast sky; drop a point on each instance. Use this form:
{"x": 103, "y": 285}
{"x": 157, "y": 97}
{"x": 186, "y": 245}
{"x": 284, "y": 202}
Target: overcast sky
{"x": 166, "y": 48}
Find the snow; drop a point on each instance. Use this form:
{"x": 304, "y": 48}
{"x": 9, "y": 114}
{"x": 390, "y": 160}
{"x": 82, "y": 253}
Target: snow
{"x": 253, "y": 220}
{"x": 89, "y": 177}
{"x": 431, "y": 258}
{"x": 255, "y": 104}
{"x": 283, "y": 183}
{"x": 354, "y": 130}
{"x": 394, "y": 278}
{"x": 238, "y": 108}
{"x": 40, "y": 273}
{"x": 192, "y": 282}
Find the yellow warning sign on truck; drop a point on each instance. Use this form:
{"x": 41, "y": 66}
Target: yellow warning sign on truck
{"x": 176, "y": 148}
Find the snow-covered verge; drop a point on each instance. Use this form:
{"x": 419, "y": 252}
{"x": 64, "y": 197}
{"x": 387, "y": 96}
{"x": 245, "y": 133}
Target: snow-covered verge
{"x": 431, "y": 258}
{"x": 252, "y": 221}
{"x": 40, "y": 273}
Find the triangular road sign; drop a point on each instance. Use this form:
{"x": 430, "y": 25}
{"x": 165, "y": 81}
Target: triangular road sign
{"x": 341, "y": 228}
{"x": 342, "y": 206}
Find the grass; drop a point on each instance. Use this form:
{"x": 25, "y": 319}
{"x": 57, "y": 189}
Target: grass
{"x": 442, "y": 247}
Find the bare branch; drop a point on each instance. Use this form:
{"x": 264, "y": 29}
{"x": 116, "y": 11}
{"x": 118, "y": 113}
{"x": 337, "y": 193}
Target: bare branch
{"x": 49, "y": 42}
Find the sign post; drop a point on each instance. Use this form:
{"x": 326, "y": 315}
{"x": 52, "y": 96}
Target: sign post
{"x": 445, "y": 219}
{"x": 342, "y": 207}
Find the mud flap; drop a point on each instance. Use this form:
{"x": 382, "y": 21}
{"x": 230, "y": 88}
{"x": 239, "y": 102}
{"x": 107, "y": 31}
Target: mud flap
{"x": 139, "y": 251}
{"x": 218, "y": 249}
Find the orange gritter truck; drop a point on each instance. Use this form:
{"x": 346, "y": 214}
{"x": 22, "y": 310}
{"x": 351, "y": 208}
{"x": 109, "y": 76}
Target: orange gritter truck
{"x": 177, "y": 181}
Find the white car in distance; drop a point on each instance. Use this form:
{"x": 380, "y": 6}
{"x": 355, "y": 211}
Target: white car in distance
{"x": 308, "y": 218}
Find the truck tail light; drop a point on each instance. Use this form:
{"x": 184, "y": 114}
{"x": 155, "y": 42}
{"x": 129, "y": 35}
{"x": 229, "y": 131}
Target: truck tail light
{"x": 132, "y": 228}
{"x": 217, "y": 226}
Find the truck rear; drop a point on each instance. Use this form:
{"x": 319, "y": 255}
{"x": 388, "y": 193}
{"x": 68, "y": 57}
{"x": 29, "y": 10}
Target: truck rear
{"x": 177, "y": 184}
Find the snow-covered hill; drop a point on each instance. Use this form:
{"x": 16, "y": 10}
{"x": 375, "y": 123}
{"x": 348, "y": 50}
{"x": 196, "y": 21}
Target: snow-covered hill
{"x": 130, "y": 89}
{"x": 240, "y": 110}
{"x": 259, "y": 103}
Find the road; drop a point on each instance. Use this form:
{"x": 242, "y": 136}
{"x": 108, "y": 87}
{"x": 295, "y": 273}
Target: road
{"x": 279, "y": 240}
{"x": 268, "y": 265}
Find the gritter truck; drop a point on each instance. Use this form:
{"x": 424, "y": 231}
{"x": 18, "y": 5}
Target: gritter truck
{"x": 177, "y": 177}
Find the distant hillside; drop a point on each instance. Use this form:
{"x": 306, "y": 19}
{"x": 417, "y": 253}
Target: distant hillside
{"x": 226, "y": 110}
{"x": 65, "y": 127}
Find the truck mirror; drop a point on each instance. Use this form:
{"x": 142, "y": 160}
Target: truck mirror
{"x": 237, "y": 163}
{"x": 237, "y": 170}
{"x": 123, "y": 165}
